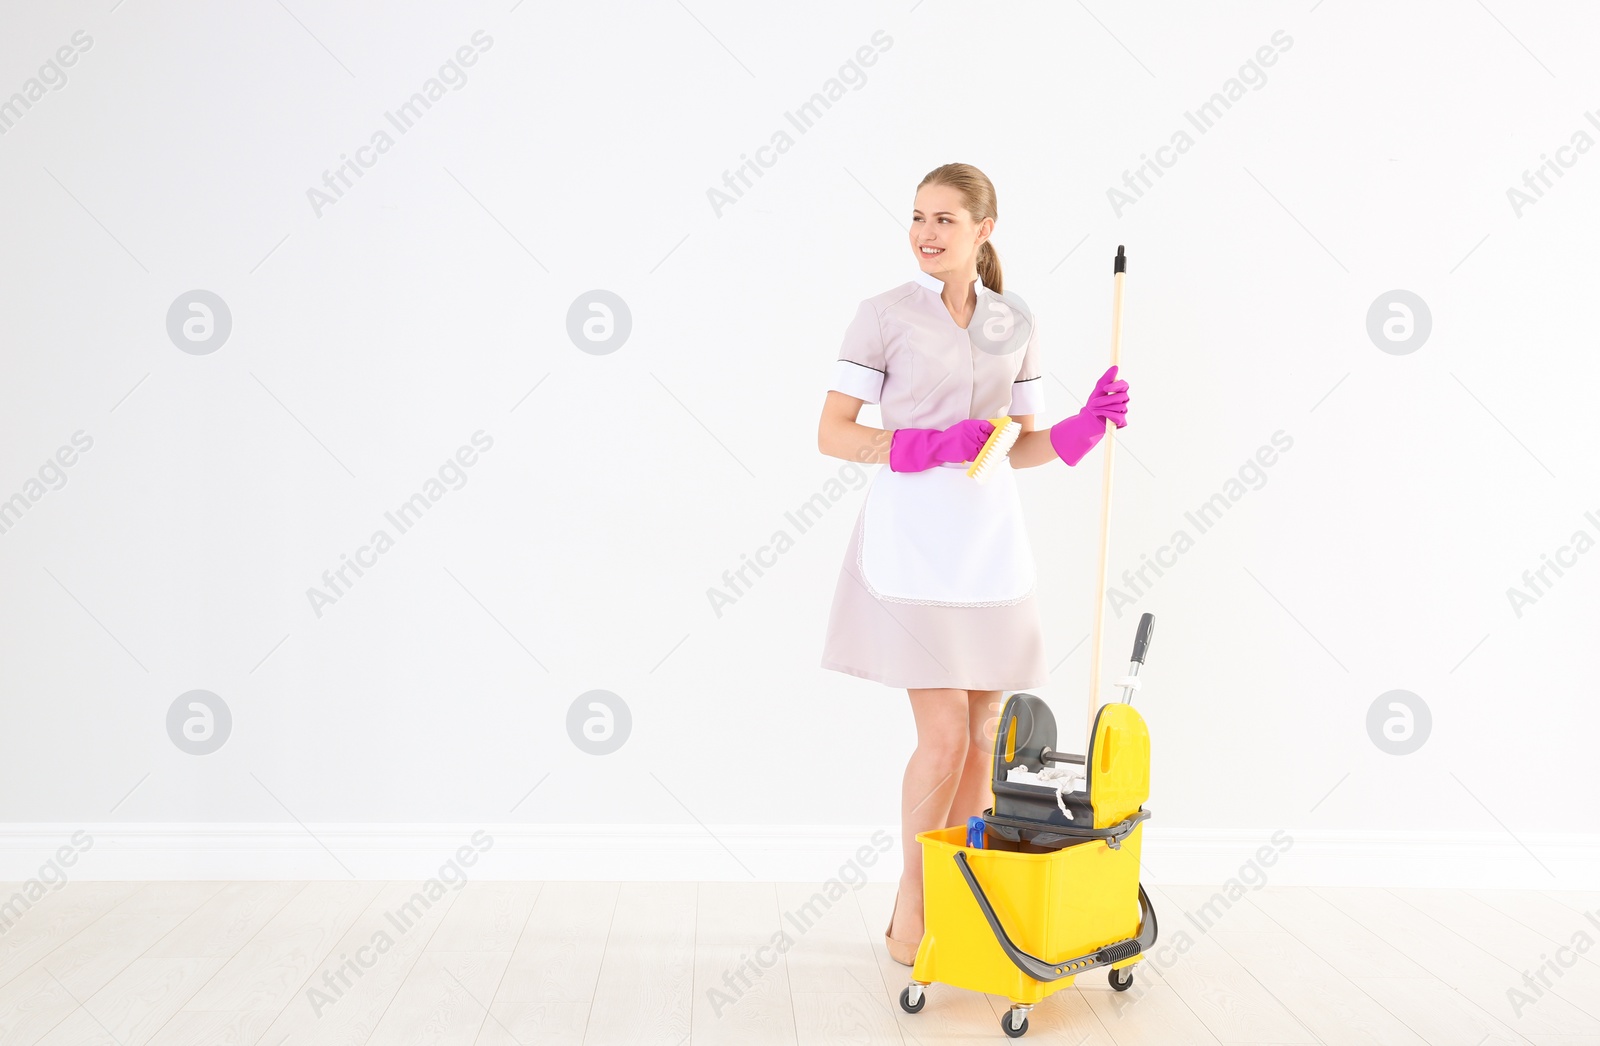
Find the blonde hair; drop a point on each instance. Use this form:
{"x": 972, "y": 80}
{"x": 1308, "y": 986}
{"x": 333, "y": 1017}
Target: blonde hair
{"x": 977, "y": 194}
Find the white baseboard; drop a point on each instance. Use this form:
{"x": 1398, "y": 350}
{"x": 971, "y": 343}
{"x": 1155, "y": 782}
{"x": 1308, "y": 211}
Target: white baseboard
{"x": 785, "y": 853}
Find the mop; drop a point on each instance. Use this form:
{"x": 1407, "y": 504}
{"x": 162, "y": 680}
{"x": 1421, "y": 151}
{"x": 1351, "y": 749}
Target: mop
{"x": 1067, "y": 777}
{"x": 1119, "y": 269}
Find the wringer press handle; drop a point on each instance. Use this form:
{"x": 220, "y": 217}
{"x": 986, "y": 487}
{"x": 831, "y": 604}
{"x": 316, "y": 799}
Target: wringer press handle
{"x": 1141, "y": 647}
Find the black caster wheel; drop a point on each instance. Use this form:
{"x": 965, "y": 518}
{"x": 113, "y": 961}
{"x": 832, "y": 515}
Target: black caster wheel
{"x": 1013, "y": 1033}
{"x": 1121, "y": 980}
{"x": 912, "y": 1003}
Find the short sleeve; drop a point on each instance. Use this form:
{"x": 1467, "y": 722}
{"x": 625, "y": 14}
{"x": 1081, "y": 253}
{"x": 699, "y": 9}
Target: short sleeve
{"x": 859, "y": 370}
{"x": 1027, "y": 392}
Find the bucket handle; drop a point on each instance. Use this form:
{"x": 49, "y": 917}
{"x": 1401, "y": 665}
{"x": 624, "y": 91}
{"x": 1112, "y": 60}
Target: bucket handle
{"x": 1113, "y": 836}
{"x": 1040, "y": 970}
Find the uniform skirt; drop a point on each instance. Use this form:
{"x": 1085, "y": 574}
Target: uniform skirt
{"x": 916, "y": 645}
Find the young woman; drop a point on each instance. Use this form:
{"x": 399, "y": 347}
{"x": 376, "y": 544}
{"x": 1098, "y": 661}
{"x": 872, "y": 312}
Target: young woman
{"x": 936, "y": 594}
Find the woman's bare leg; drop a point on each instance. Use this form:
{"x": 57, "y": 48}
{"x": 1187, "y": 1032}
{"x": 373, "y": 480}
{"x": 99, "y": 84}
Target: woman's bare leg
{"x": 930, "y": 783}
{"x": 973, "y": 794}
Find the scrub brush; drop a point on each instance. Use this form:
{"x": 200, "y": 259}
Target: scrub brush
{"x": 995, "y": 448}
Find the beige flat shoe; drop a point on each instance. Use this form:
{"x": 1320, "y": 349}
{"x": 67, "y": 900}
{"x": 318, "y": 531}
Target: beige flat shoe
{"x": 902, "y": 952}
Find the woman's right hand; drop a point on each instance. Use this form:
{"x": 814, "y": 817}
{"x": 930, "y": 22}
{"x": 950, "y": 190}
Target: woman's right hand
{"x": 917, "y": 450}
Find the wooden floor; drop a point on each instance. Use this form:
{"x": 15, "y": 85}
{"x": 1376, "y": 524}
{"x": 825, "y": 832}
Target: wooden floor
{"x": 641, "y": 964}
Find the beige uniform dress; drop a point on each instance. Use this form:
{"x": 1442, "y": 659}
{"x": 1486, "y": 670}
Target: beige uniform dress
{"x": 937, "y": 585}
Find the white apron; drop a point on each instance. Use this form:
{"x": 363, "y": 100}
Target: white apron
{"x": 939, "y": 536}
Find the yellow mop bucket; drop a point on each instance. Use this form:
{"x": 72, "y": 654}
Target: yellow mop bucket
{"x": 1054, "y": 893}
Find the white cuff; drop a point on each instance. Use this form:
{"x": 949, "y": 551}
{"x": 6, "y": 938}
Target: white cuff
{"x": 1027, "y": 397}
{"x": 858, "y": 380}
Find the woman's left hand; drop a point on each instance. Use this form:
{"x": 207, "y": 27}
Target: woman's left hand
{"x": 1075, "y": 436}
{"x": 1109, "y": 400}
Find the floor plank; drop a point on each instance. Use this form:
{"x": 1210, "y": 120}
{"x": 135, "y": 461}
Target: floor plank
{"x": 831, "y": 952}
{"x": 557, "y": 958}
{"x": 647, "y": 963}
{"x": 1448, "y": 954}
{"x": 55, "y": 918}
{"x": 741, "y": 981}
{"x": 134, "y": 1004}
{"x": 838, "y": 1018}
{"x": 1427, "y": 1005}
{"x": 443, "y": 1000}
{"x": 81, "y": 965}
{"x": 644, "y": 991}
{"x": 1229, "y": 1000}
{"x": 1149, "y": 1016}
{"x": 1341, "y": 941}
{"x": 1437, "y": 1012}
{"x": 1531, "y": 955}
{"x": 1581, "y": 901}
{"x": 264, "y": 973}
{"x": 226, "y": 920}
{"x": 1558, "y": 924}
{"x": 344, "y": 996}
{"x": 1324, "y": 1000}
{"x": 488, "y": 917}
{"x": 31, "y": 1004}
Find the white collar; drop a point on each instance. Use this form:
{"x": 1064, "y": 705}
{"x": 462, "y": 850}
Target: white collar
{"x": 936, "y": 285}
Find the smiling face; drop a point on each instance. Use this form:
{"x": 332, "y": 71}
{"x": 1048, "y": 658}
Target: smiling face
{"x": 944, "y": 237}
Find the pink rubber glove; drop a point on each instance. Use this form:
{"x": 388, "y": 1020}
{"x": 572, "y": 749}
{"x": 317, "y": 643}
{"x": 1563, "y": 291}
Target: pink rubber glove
{"x": 917, "y": 450}
{"x": 1074, "y": 437}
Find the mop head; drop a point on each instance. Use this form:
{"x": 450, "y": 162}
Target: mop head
{"x": 1060, "y": 778}
{"x": 995, "y": 448}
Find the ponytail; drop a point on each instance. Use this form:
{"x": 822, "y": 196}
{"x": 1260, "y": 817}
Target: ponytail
{"x": 989, "y": 267}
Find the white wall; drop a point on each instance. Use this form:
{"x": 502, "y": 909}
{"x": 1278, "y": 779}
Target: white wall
{"x": 371, "y": 340}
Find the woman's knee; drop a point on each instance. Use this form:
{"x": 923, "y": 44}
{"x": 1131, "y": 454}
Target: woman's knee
{"x": 983, "y": 708}
{"x": 946, "y": 748}
{"x": 942, "y": 727}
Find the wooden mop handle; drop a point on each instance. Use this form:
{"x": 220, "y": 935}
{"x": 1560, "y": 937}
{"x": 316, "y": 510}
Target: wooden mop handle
{"x": 1119, "y": 271}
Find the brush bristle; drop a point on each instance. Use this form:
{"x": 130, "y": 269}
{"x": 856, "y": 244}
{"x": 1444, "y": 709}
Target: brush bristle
{"x": 995, "y": 450}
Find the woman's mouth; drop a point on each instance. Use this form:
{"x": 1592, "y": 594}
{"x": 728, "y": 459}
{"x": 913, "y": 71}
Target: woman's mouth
{"x": 931, "y": 252}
